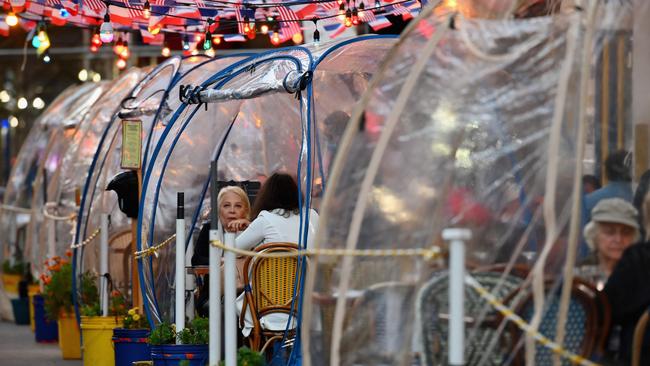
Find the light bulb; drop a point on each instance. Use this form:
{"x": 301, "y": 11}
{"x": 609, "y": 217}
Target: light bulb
{"x": 42, "y": 35}
{"x": 121, "y": 63}
{"x": 38, "y": 103}
{"x": 22, "y": 103}
{"x": 36, "y": 43}
{"x": 119, "y": 46}
{"x": 94, "y": 48}
{"x": 11, "y": 19}
{"x": 297, "y": 38}
{"x": 186, "y": 43}
{"x": 216, "y": 40}
{"x": 316, "y": 37}
{"x": 13, "y": 121}
{"x": 146, "y": 9}
{"x": 83, "y": 75}
{"x": 275, "y": 38}
{"x": 106, "y": 29}
{"x": 96, "y": 41}
{"x": 97, "y": 78}
{"x": 165, "y": 52}
{"x": 47, "y": 58}
{"x": 64, "y": 13}
{"x": 207, "y": 44}
{"x": 264, "y": 28}
{"x": 4, "y": 96}
{"x": 210, "y": 52}
{"x": 125, "y": 51}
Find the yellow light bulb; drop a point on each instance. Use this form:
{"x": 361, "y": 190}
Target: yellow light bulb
{"x": 11, "y": 19}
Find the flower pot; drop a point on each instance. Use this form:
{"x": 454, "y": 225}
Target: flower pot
{"x": 97, "y": 332}
{"x": 21, "y": 310}
{"x": 10, "y": 282}
{"x": 32, "y": 290}
{"x": 45, "y": 330}
{"x": 174, "y": 354}
{"x": 69, "y": 337}
{"x": 131, "y": 346}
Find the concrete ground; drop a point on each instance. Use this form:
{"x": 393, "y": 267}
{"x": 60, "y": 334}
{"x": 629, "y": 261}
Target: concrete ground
{"x": 18, "y": 347}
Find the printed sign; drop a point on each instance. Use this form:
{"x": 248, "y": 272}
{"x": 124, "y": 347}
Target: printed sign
{"x": 131, "y": 144}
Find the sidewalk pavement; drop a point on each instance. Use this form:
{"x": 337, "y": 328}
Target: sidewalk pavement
{"x": 18, "y": 347}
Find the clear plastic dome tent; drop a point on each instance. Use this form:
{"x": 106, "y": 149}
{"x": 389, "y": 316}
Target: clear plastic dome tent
{"x": 251, "y": 138}
{"x": 477, "y": 124}
{"x": 38, "y": 154}
{"x": 62, "y": 192}
{"x": 148, "y": 102}
{"x": 57, "y": 146}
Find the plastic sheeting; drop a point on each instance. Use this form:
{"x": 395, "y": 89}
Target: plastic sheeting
{"x": 267, "y": 135}
{"x": 39, "y": 154}
{"x": 473, "y": 124}
{"x": 71, "y": 173}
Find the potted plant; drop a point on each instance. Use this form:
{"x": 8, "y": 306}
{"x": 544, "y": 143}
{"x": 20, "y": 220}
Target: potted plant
{"x": 57, "y": 296}
{"x": 97, "y": 330}
{"x": 130, "y": 341}
{"x": 248, "y": 357}
{"x": 187, "y": 347}
{"x": 11, "y": 274}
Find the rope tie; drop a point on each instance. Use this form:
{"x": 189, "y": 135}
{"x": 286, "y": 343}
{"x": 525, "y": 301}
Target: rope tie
{"x": 426, "y": 253}
{"x": 87, "y": 241}
{"x": 53, "y": 217}
{"x": 153, "y": 250}
{"x": 524, "y": 326}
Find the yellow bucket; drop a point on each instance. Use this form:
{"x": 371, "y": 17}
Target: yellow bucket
{"x": 69, "y": 337}
{"x": 32, "y": 290}
{"x": 11, "y": 283}
{"x": 97, "y": 334}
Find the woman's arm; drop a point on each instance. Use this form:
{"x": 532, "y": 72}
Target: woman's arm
{"x": 253, "y": 235}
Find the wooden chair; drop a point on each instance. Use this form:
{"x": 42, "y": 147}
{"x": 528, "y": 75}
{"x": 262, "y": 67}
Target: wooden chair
{"x": 272, "y": 283}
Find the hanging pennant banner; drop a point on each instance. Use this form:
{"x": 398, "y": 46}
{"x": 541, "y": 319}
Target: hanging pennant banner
{"x": 131, "y": 144}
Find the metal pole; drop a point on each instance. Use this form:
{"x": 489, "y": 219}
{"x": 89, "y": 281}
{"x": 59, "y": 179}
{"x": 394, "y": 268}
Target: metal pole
{"x": 190, "y": 281}
{"x": 214, "y": 299}
{"x": 51, "y": 238}
{"x": 456, "y": 293}
{"x": 180, "y": 263}
{"x": 103, "y": 262}
{"x": 230, "y": 297}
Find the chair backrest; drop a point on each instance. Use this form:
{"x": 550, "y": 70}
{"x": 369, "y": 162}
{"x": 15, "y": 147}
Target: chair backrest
{"x": 481, "y": 320}
{"x": 273, "y": 280}
{"x": 581, "y": 326}
{"x": 120, "y": 259}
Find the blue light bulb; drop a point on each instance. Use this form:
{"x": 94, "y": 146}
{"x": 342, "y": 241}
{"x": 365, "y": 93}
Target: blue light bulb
{"x": 36, "y": 42}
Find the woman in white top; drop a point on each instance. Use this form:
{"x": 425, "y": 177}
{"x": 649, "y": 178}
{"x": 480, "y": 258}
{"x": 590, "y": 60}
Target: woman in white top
{"x": 277, "y": 219}
{"x": 277, "y": 215}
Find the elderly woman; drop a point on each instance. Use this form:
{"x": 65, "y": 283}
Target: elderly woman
{"x": 613, "y": 228}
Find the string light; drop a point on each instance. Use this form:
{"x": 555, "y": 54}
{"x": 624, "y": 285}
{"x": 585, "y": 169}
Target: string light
{"x": 207, "y": 42}
{"x": 210, "y": 52}
{"x": 46, "y": 57}
{"x": 297, "y": 38}
{"x": 165, "y": 52}
{"x": 348, "y": 18}
{"x": 316, "y": 32}
{"x": 247, "y": 26}
{"x": 120, "y": 63}
{"x": 275, "y": 38}
{"x": 119, "y": 46}
{"x": 146, "y": 9}
{"x": 64, "y": 13}
{"x": 216, "y": 40}
{"x": 106, "y": 29}
{"x": 355, "y": 16}
{"x": 342, "y": 13}
{"x": 95, "y": 41}
{"x": 11, "y": 18}
{"x": 362, "y": 8}
{"x": 126, "y": 53}
{"x": 264, "y": 28}
{"x": 36, "y": 41}
{"x": 186, "y": 42}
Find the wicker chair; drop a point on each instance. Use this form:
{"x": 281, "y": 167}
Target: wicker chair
{"x": 481, "y": 321}
{"x": 581, "y": 335}
{"x": 272, "y": 283}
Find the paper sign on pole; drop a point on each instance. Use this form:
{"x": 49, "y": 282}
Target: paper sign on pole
{"x": 131, "y": 144}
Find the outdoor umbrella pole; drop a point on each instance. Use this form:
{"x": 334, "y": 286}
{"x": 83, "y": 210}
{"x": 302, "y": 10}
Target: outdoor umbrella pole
{"x": 457, "y": 238}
